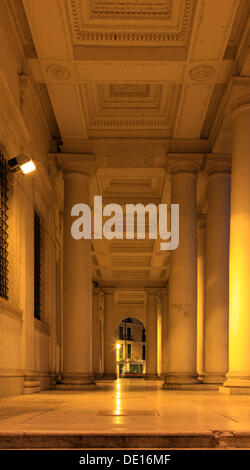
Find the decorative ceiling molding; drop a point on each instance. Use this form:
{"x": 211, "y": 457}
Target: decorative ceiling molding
{"x": 108, "y": 110}
{"x": 128, "y": 9}
{"x": 162, "y": 23}
{"x": 128, "y": 90}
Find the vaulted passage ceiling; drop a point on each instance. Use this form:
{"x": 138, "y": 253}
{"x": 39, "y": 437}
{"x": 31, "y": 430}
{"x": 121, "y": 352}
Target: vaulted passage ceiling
{"x": 131, "y": 80}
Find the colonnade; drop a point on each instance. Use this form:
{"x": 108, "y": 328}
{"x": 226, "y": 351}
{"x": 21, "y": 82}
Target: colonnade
{"x": 205, "y": 315}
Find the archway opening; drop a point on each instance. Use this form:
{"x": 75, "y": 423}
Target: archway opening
{"x": 131, "y": 349}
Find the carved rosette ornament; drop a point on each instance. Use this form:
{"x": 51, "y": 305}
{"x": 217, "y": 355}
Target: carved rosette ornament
{"x": 58, "y": 71}
{"x": 202, "y": 73}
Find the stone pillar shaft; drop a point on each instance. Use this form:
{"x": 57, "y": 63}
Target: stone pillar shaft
{"x": 201, "y": 265}
{"x": 182, "y": 315}
{"x": 217, "y": 271}
{"x": 77, "y": 283}
{"x": 238, "y": 377}
{"x": 109, "y": 335}
{"x": 164, "y": 327}
{"x": 151, "y": 334}
{"x": 97, "y": 332}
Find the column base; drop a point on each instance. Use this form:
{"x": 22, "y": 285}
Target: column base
{"x": 98, "y": 376}
{"x": 236, "y": 384}
{"x": 31, "y": 384}
{"x": 152, "y": 377}
{"x": 199, "y": 387}
{"x": 213, "y": 378}
{"x": 109, "y": 376}
{"x": 76, "y": 382}
{"x": 181, "y": 381}
{"x": 234, "y": 390}
{"x": 161, "y": 376}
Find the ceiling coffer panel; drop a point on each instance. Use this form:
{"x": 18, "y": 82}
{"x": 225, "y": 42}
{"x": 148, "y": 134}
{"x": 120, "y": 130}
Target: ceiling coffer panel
{"x": 127, "y": 22}
{"x": 130, "y": 105}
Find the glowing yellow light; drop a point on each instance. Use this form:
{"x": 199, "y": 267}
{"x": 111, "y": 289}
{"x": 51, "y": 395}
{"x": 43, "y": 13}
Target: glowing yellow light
{"x": 118, "y": 346}
{"x": 28, "y": 167}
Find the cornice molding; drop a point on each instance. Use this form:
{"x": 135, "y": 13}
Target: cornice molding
{"x": 9, "y": 310}
{"x": 41, "y": 326}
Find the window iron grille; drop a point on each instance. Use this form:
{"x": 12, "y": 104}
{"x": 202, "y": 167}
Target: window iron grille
{"x": 3, "y": 228}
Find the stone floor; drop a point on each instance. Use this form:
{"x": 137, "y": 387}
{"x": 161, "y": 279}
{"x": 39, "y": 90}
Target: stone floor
{"x": 125, "y": 413}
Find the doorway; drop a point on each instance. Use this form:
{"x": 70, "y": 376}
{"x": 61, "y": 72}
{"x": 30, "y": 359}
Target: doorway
{"x": 131, "y": 349}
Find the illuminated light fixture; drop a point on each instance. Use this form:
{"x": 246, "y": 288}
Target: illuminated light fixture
{"x": 28, "y": 167}
{"x": 118, "y": 346}
{"x": 22, "y": 164}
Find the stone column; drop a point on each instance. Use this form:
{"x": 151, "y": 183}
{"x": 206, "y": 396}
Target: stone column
{"x": 159, "y": 333}
{"x": 77, "y": 283}
{"x": 238, "y": 377}
{"x": 109, "y": 335}
{"x": 97, "y": 331}
{"x": 182, "y": 316}
{"x": 151, "y": 334}
{"x": 164, "y": 303}
{"x": 217, "y": 270}
{"x": 201, "y": 275}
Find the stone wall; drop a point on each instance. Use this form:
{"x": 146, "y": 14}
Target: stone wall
{"x": 29, "y": 348}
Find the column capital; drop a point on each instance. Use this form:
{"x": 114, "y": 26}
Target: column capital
{"x": 202, "y": 221}
{"x": 218, "y": 163}
{"x": 109, "y": 290}
{"x": 152, "y": 290}
{"x": 183, "y": 162}
{"x": 164, "y": 290}
{"x": 84, "y": 163}
{"x": 240, "y": 103}
{"x": 97, "y": 290}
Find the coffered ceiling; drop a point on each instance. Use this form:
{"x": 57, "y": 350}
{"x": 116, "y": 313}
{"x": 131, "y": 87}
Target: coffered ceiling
{"x": 133, "y": 68}
{"x": 130, "y": 80}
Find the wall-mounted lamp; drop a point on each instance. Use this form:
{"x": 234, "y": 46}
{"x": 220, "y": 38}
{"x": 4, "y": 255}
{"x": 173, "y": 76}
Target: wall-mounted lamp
{"x": 21, "y": 163}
